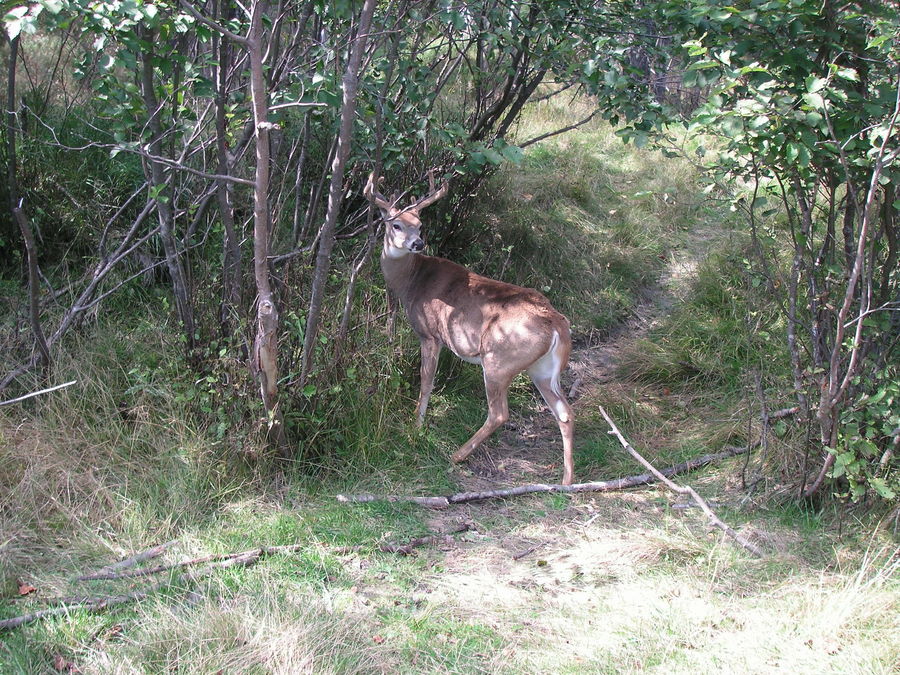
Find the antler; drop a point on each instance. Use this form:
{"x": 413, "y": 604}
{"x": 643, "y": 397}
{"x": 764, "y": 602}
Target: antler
{"x": 376, "y": 197}
{"x": 433, "y": 195}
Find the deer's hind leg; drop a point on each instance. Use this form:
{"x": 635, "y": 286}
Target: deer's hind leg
{"x": 545, "y": 374}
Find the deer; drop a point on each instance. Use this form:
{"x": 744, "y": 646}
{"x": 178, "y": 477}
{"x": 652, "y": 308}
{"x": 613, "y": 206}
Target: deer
{"x": 506, "y": 329}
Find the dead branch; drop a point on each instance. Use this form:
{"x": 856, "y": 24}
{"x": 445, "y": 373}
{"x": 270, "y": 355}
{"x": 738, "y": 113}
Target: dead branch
{"x": 784, "y": 412}
{"x": 595, "y": 486}
{"x": 682, "y": 490}
{"x": 158, "y": 569}
{"x": 121, "y": 570}
{"x": 100, "y": 603}
{"x": 529, "y": 550}
{"x": 110, "y": 571}
{"x": 427, "y": 540}
{"x": 37, "y": 393}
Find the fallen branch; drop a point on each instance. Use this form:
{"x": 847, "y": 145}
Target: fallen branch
{"x": 595, "y": 486}
{"x": 682, "y": 490}
{"x": 98, "y": 604}
{"x": 110, "y": 571}
{"x": 529, "y": 550}
{"x": 121, "y": 570}
{"x": 37, "y": 393}
{"x": 784, "y": 412}
{"x": 427, "y": 540}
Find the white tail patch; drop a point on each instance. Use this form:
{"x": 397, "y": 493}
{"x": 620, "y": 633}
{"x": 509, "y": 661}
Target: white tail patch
{"x": 548, "y": 367}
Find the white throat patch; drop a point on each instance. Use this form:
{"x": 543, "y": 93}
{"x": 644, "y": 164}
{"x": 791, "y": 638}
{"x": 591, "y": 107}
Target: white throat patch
{"x": 393, "y": 252}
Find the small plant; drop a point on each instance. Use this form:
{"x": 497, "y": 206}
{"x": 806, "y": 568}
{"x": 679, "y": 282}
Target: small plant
{"x": 868, "y": 438}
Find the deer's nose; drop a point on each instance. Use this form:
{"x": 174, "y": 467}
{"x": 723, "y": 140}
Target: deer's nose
{"x": 417, "y": 245}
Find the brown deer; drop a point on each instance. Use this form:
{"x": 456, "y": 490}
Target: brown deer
{"x": 506, "y": 329}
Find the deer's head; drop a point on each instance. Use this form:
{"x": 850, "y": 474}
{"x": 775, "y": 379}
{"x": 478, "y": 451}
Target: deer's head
{"x": 402, "y": 226}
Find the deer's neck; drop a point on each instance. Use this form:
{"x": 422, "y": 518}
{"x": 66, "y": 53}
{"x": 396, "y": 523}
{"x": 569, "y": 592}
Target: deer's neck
{"x": 399, "y": 268}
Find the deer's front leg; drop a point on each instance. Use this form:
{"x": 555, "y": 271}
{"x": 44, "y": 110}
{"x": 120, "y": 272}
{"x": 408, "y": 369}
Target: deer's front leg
{"x": 496, "y": 383}
{"x": 431, "y": 350}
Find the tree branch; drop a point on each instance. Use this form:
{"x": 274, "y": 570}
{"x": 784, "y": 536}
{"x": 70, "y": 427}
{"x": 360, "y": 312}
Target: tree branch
{"x": 150, "y": 553}
{"x": 209, "y": 23}
{"x": 37, "y": 393}
{"x": 596, "y": 486}
{"x": 100, "y": 603}
{"x": 682, "y": 490}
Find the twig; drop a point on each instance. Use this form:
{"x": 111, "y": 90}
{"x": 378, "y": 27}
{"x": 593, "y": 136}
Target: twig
{"x": 529, "y": 550}
{"x": 427, "y": 540}
{"x": 784, "y": 412}
{"x": 120, "y": 570}
{"x": 101, "y": 603}
{"x": 158, "y": 569}
{"x": 682, "y": 490}
{"x": 110, "y": 571}
{"x": 596, "y": 486}
{"x": 37, "y": 393}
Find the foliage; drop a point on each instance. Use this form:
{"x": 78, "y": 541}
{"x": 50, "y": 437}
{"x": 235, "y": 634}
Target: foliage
{"x": 797, "y": 106}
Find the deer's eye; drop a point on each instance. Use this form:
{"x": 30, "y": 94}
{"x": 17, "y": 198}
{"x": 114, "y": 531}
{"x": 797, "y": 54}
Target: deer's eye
{"x": 397, "y": 226}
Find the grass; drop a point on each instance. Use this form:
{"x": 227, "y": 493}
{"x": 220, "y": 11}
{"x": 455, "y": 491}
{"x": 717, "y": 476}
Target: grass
{"x": 618, "y": 583}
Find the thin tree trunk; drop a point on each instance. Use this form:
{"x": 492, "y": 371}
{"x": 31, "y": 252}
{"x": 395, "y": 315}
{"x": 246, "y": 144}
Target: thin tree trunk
{"x": 231, "y": 252}
{"x": 344, "y": 329}
{"x": 12, "y": 182}
{"x": 34, "y": 310}
{"x": 162, "y": 199}
{"x": 326, "y": 242}
{"x": 265, "y": 348}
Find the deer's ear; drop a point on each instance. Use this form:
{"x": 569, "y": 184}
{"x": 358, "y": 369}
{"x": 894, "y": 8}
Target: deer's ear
{"x": 388, "y": 213}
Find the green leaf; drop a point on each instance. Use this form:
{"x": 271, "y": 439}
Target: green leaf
{"x": 52, "y": 6}
{"x": 814, "y": 100}
{"x": 814, "y": 84}
{"x": 882, "y": 488}
{"x": 845, "y": 73}
{"x": 512, "y": 153}
{"x": 204, "y": 87}
{"x": 493, "y": 156}
{"x": 704, "y": 65}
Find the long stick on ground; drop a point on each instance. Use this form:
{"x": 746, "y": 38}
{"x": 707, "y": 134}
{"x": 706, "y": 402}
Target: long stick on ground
{"x": 682, "y": 490}
{"x": 120, "y": 570}
{"x": 101, "y": 603}
{"x": 109, "y": 572}
{"x": 595, "y": 486}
